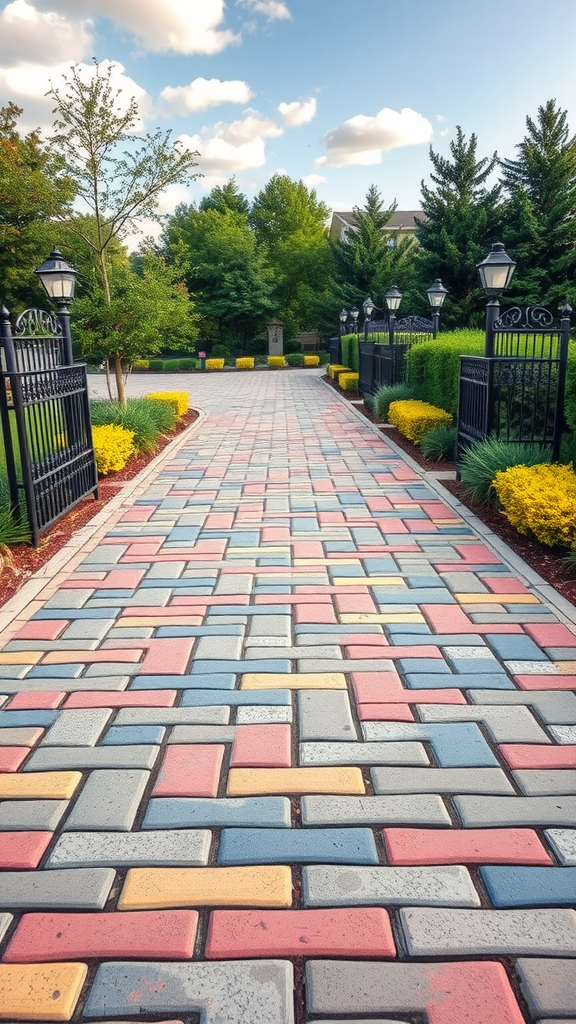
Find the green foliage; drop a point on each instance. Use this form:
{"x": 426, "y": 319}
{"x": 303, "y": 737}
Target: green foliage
{"x": 370, "y": 403}
{"x": 147, "y": 419}
{"x": 295, "y": 359}
{"x": 187, "y": 364}
{"x": 439, "y": 444}
{"x": 388, "y": 394}
{"x": 12, "y": 530}
{"x": 226, "y": 197}
{"x": 480, "y": 463}
{"x": 156, "y": 364}
{"x": 570, "y": 405}
{"x": 291, "y": 345}
{"x": 461, "y": 220}
{"x": 350, "y": 348}
{"x": 434, "y": 366}
{"x": 220, "y": 352}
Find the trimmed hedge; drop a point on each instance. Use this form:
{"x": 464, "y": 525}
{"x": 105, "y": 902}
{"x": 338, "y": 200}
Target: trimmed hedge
{"x": 311, "y": 360}
{"x": 276, "y": 362}
{"x": 434, "y": 367}
{"x": 113, "y": 446}
{"x": 540, "y": 500}
{"x": 294, "y": 359}
{"x": 214, "y": 364}
{"x": 245, "y": 363}
{"x": 414, "y": 419}
{"x": 350, "y": 351}
{"x": 177, "y": 399}
{"x": 348, "y": 382}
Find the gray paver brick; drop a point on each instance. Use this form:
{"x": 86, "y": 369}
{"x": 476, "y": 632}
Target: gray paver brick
{"x": 202, "y": 734}
{"x": 362, "y": 753}
{"x": 540, "y": 781}
{"x": 31, "y": 815}
{"x": 174, "y": 716}
{"x": 440, "y": 932}
{"x": 243, "y": 991}
{"x": 554, "y": 707}
{"x": 77, "y": 728}
{"x": 328, "y": 886}
{"x": 405, "y": 809}
{"x": 78, "y": 889}
{"x": 505, "y": 724}
{"x": 19, "y": 736}
{"x": 563, "y": 733}
{"x": 5, "y": 922}
{"x": 65, "y": 758}
{"x": 549, "y": 986}
{"x": 440, "y": 780}
{"x": 325, "y": 715}
{"x": 563, "y": 842}
{"x": 484, "y": 811}
{"x": 180, "y": 847}
{"x": 266, "y": 714}
{"x": 109, "y": 800}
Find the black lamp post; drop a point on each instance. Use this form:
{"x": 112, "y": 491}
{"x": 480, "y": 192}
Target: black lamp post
{"x": 59, "y": 280}
{"x": 436, "y": 294}
{"x": 343, "y": 318}
{"x": 368, "y": 307}
{"x": 495, "y": 272}
{"x": 393, "y": 299}
{"x": 355, "y": 313}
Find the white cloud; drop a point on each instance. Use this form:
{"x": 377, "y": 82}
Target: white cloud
{"x": 272, "y": 9}
{"x": 311, "y": 180}
{"x": 362, "y": 140}
{"x": 227, "y": 148}
{"x": 183, "y": 26}
{"x": 203, "y": 93}
{"x": 24, "y": 33}
{"x": 299, "y": 112}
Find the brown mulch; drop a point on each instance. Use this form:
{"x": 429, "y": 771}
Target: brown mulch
{"x": 26, "y": 560}
{"x": 547, "y": 562}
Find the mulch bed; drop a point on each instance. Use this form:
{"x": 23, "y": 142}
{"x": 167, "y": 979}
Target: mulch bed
{"x": 26, "y": 560}
{"x": 548, "y": 562}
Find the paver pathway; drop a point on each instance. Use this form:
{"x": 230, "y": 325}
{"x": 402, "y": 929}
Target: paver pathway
{"x": 290, "y": 744}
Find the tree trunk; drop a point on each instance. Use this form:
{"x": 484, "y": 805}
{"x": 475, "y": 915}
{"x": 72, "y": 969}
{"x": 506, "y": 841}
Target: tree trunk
{"x": 119, "y": 379}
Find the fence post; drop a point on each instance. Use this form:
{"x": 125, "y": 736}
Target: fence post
{"x": 7, "y": 344}
{"x": 561, "y": 392}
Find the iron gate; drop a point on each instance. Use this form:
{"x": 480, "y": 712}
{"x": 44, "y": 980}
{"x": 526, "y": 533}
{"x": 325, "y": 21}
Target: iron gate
{"x": 44, "y": 403}
{"x": 383, "y": 364}
{"x": 516, "y": 394}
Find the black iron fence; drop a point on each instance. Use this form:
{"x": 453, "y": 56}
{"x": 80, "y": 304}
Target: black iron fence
{"x": 516, "y": 393}
{"x": 45, "y": 419}
{"x": 384, "y": 363}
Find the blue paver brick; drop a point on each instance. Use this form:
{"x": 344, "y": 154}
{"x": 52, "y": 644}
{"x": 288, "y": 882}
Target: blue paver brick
{"x": 423, "y": 681}
{"x": 120, "y": 734}
{"x": 208, "y": 698}
{"x": 515, "y": 647}
{"x": 71, "y": 671}
{"x": 529, "y": 887}
{"x": 217, "y": 681}
{"x": 218, "y": 667}
{"x": 8, "y": 719}
{"x": 254, "y": 812}
{"x": 297, "y": 846}
{"x": 431, "y": 666}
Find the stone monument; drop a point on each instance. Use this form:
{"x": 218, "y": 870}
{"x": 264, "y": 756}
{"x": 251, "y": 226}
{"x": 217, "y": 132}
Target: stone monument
{"x": 275, "y": 338}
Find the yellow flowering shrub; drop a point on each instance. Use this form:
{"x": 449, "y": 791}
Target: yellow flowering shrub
{"x": 245, "y": 363}
{"x": 540, "y": 500}
{"x": 214, "y": 364}
{"x": 335, "y": 368}
{"x": 141, "y": 364}
{"x": 311, "y": 360}
{"x": 177, "y": 399}
{"x": 113, "y": 446}
{"x": 274, "y": 362}
{"x": 349, "y": 381}
{"x": 414, "y": 418}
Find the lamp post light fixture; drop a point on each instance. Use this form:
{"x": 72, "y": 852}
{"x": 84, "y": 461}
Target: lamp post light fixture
{"x": 343, "y": 318}
{"x": 368, "y": 307}
{"x": 495, "y": 272}
{"x": 355, "y": 313}
{"x": 59, "y": 280}
{"x": 393, "y": 299}
{"x": 436, "y": 294}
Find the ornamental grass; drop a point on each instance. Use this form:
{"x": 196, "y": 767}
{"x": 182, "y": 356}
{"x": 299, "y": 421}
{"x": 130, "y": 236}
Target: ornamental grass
{"x": 540, "y": 500}
{"x": 414, "y": 419}
{"x": 147, "y": 419}
{"x": 113, "y": 446}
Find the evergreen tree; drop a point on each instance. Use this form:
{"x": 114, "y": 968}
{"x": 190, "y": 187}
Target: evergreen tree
{"x": 462, "y": 218}
{"x": 226, "y": 197}
{"x": 540, "y": 226}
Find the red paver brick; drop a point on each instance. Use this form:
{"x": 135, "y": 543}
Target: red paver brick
{"x": 138, "y": 514}
{"x": 190, "y": 769}
{"x": 116, "y": 579}
{"x": 35, "y": 700}
{"x": 363, "y": 604}
{"x": 438, "y": 510}
{"x": 42, "y": 629}
{"x": 504, "y": 585}
{"x": 262, "y": 746}
{"x": 307, "y": 549}
{"x": 219, "y": 521}
{"x": 546, "y": 682}
{"x": 392, "y": 526}
{"x": 143, "y": 549}
{"x": 384, "y": 713}
{"x": 538, "y": 755}
{"x": 22, "y": 851}
{"x": 553, "y": 635}
{"x": 331, "y": 518}
{"x": 477, "y": 554}
{"x": 314, "y": 613}
{"x": 122, "y": 699}
{"x": 354, "y": 640}
{"x": 275, "y": 535}
{"x": 386, "y": 688}
{"x": 170, "y": 656}
{"x": 155, "y": 934}
{"x": 449, "y": 618}
{"x": 11, "y": 758}
{"x": 268, "y": 933}
{"x": 421, "y": 526}
{"x": 379, "y": 504}
{"x": 464, "y": 846}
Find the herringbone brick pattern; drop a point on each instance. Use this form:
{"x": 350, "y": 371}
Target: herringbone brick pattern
{"x": 291, "y": 744}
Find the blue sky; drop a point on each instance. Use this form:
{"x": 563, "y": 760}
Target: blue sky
{"x": 340, "y": 93}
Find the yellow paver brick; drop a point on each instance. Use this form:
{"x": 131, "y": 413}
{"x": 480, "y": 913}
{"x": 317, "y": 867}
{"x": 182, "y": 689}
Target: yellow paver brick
{"x": 369, "y": 581}
{"x": 42, "y": 992}
{"x": 293, "y": 680}
{"x": 38, "y": 785}
{"x": 21, "y": 657}
{"x": 71, "y": 657}
{"x": 156, "y": 620}
{"x": 245, "y": 886}
{"x": 496, "y": 599}
{"x": 248, "y": 781}
{"x": 353, "y": 617}
{"x": 566, "y": 668}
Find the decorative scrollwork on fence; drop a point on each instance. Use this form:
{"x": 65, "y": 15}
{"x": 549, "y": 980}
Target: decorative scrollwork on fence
{"x": 525, "y": 374}
{"x": 474, "y": 369}
{"x": 525, "y": 317}
{"x": 37, "y": 323}
{"x": 414, "y": 325}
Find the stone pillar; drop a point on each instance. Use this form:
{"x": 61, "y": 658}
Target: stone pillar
{"x": 275, "y": 338}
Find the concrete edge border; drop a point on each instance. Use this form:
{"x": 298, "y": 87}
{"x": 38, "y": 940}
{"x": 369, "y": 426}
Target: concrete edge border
{"x": 549, "y": 596}
{"x": 86, "y": 538}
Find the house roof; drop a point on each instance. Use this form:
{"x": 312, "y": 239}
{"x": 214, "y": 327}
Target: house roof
{"x": 401, "y": 220}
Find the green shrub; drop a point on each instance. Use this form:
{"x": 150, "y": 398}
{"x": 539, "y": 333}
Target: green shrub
{"x": 255, "y": 347}
{"x": 220, "y": 352}
{"x": 156, "y": 364}
{"x": 349, "y": 348}
{"x": 481, "y": 461}
{"x": 324, "y": 358}
{"x": 113, "y": 446}
{"x": 388, "y": 394}
{"x": 370, "y": 403}
{"x": 433, "y": 367}
{"x": 146, "y": 419}
{"x": 291, "y": 347}
{"x": 570, "y": 405}
{"x": 415, "y": 419}
{"x": 12, "y": 531}
{"x": 348, "y": 382}
{"x": 187, "y": 364}
{"x": 439, "y": 443}
{"x": 295, "y": 359}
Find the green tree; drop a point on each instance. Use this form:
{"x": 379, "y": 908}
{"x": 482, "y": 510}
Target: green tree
{"x": 146, "y": 312}
{"x": 540, "y": 224}
{"x": 370, "y": 258}
{"x": 462, "y": 218}
{"x": 119, "y": 175}
{"x": 34, "y": 188}
{"x": 290, "y": 222}
{"x": 226, "y": 197}
{"x": 225, "y": 269}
